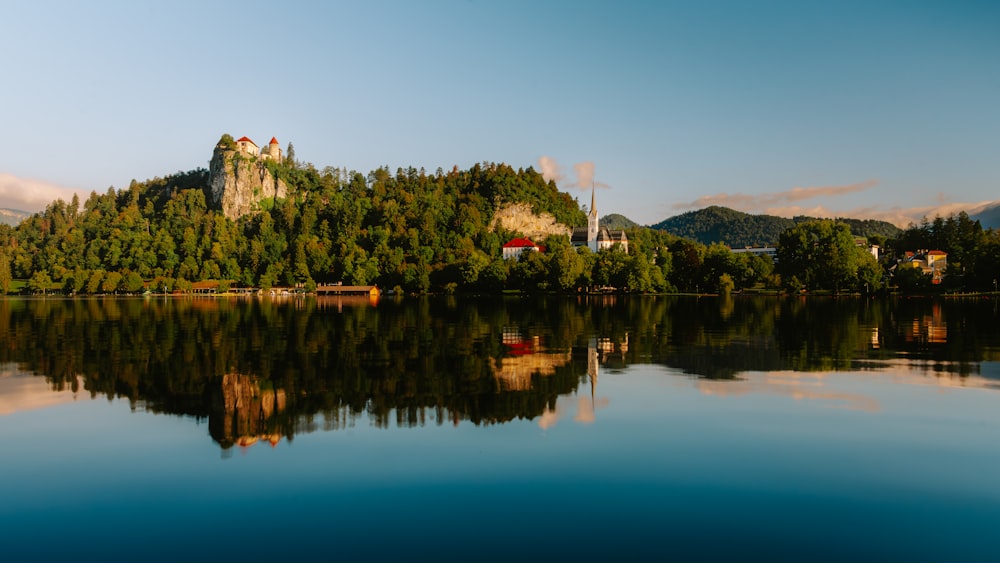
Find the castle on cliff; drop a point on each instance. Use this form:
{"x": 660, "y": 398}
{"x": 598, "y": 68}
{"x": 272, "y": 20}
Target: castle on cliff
{"x": 238, "y": 186}
{"x": 271, "y": 152}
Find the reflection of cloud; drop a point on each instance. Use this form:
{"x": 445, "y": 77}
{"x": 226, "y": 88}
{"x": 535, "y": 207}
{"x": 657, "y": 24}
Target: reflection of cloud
{"x": 584, "y": 171}
{"x": 585, "y": 410}
{"x": 26, "y": 194}
{"x": 799, "y": 386}
{"x": 20, "y": 392}
{"x": 819, "y": 386}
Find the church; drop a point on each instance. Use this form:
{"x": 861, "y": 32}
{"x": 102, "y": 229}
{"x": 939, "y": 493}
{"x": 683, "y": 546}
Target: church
{"x": 596, "y": 237}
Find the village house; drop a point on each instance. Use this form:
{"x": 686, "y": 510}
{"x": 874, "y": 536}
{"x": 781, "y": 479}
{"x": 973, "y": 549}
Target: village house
{"x": 513, "y": 249}
{"x": 930, "y": 262}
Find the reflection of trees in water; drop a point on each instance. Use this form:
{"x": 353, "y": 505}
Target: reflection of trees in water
{"x": 440, "y": 361}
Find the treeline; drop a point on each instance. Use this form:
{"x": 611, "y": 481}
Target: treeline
{"x": 973, "y": 253}
{"x": 422, "y": 233}
{"x": 413, "y": 231}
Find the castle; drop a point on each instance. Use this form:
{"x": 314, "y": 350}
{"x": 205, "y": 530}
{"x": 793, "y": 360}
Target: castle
{"x": 238, "y": 186}
{"x": 271, "y": 152}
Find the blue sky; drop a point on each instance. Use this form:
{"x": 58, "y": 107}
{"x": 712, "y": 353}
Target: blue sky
{"x": 858, "y": 108}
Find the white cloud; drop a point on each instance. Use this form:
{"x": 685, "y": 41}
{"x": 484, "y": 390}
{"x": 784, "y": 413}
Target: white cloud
{"x": 550, "y": 169}
{"x": 584, "y": 172}
{"x": 750, "y": 202}
{"x": 26, "y": 194}
{"x": 787, "y": 204}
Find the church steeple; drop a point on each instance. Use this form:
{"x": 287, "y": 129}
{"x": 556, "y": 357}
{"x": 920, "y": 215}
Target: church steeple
{"x": 592, "y": 221}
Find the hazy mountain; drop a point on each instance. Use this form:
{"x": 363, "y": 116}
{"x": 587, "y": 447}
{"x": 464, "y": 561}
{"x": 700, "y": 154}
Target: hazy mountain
{"x": 989, "y": 218}
{"x": 739, "y": 229}
{"x": 12, "y": 216}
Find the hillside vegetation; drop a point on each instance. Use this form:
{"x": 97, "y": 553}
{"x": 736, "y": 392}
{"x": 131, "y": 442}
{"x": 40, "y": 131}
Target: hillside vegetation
{"x": 410, "y": 229}
{"x": 425, "y": 232}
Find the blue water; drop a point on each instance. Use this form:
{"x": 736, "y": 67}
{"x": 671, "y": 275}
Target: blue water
{"x": 896, "y": 464}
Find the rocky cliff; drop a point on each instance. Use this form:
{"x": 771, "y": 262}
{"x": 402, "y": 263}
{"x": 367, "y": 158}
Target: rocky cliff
{"x": 240, "y": 182}
{"x": 519, "y": 218}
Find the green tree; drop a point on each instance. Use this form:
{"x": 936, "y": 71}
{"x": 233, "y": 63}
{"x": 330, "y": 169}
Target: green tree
{"x": 822, "y": 255}
{"x": 40, "y": 282}
{"x": 132, "y": 282}
{"x": 5, "y": 276}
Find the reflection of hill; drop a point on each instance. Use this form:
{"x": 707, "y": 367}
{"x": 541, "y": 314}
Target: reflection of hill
{"x": 305, "y": 364}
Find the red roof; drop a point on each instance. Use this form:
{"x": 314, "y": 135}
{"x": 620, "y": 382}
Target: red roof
{"x": 274, "y": 141}
{"x": 937, "y": 253}
{"x": 520, "y": 243}
{"x": 246, "y": 139}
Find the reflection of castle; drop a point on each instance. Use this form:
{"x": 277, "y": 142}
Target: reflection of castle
{"x": 243, "y": 413}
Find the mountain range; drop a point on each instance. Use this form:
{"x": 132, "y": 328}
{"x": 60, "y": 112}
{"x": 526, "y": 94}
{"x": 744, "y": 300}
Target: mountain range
{"x": 12, "y": 216}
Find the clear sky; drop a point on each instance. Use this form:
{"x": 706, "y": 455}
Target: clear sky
{"x": 861, "y": 108}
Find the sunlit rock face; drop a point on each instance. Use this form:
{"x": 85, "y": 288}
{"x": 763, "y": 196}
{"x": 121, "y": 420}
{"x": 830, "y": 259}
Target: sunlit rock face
{"x": 519, "y": 218}
{"x": 240, "y": 181}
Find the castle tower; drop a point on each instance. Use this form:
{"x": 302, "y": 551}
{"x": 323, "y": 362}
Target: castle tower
{"x": 274, "y": 149}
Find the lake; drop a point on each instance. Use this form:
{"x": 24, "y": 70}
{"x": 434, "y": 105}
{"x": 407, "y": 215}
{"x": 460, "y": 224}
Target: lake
{"x": 496, "y": 429}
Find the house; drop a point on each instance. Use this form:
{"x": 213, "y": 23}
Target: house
{"x": 596, "y": 237}
{"x": 513, "y": 249}
{"x": 205, "y": 287}
{"x": 930, "y": 262}
{"x": 364, "y": 290}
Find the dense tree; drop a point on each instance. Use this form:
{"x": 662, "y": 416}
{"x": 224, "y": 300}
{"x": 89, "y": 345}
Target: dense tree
{"x": 822, "y": 255}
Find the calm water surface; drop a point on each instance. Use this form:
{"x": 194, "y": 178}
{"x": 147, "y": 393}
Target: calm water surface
{"x": 501, "y": 429}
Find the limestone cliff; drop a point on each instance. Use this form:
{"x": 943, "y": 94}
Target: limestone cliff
{"x": 519, "y": 218}
{"x": 239, "y": 182}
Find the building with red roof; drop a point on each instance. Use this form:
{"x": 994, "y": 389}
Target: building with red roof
{"x": 515, "y": 247}
{"x": 271, "y": 152}
{"x": 245, "y": 144}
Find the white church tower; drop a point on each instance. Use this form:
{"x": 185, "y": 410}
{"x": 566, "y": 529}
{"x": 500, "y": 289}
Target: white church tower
{"x": 592, "y": 222}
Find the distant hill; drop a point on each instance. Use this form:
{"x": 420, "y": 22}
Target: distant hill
{"x": 616, "y": 221}
{"x": 12, "y": 216}
{"x": 739, "y": 229}
{"x": 989, "y": 218}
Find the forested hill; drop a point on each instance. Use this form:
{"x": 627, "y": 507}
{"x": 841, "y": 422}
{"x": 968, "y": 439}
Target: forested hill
{"x": 738, "y": 229}
{"x": 412, "y": 229}
{"x": 617, "y": 221}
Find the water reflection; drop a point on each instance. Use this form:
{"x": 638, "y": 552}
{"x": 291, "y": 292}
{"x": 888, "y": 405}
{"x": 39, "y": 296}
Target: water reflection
{"x": 262, "y": 371}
